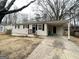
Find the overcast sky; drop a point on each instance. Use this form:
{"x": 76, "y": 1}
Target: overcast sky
{"x": 20, "y": 3}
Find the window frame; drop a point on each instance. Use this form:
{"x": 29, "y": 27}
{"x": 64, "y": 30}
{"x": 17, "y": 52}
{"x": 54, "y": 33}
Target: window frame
{"x": 40, "y": 26}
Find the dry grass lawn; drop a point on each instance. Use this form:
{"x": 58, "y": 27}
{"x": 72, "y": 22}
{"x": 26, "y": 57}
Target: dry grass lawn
{"x": 75, "y": 40}
{"x": 2, "y": 37}
{"x": 17, "y": 47}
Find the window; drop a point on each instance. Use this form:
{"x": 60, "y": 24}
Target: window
{"x": 40, "y": 27}
{"x": 17, "y": 26}
{"x": 25, "y": 26}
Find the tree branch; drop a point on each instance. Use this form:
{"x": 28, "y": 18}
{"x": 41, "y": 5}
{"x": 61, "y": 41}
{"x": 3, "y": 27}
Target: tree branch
{"x": 73, "y": 16}
{"x": 51, "y": 5}
{"x": 10, "y": 4}
{"x": 13, "y": 11}
{"x": 2, "y": 5}
{"x": 48, "y": 12}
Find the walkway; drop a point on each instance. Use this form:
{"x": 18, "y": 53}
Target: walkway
{"x": 55, "y": 48}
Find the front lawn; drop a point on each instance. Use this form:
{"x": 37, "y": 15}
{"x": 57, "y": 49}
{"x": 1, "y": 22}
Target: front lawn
{"x": 17, "y": 47}
{"x": 2, "y": 37}
{"x": 75, "y": 40}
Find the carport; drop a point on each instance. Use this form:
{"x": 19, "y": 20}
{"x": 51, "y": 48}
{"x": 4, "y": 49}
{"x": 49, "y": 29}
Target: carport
{"x": 56, "y": 27}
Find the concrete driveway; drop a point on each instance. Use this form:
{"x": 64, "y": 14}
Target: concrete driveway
{"x": 55, "y": 48}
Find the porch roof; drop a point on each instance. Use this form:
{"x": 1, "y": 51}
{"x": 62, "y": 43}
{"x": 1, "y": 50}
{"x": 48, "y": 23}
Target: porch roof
{"x": 61, "y": 22}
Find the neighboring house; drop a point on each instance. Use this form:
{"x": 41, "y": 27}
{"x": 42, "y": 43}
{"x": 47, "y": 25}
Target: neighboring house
{"x": 41, "y": 28}
{"x": 8, "y": 27}
{"x": 75, "y": 31}
{"x": 2, "y": 29}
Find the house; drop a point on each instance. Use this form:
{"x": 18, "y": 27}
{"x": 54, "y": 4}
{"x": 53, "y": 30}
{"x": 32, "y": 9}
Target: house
{"x": 41, "y": 28}
{"x": 8, "y": 27}
{"x": 2, "y": 29}
{"x": 75, "y": 30}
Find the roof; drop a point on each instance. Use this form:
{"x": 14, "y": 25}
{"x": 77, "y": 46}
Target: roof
{"x": 45, "y": 22}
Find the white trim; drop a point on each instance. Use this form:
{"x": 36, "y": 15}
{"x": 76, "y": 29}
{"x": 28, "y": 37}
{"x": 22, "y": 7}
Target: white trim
{"x": 69, "y": 30}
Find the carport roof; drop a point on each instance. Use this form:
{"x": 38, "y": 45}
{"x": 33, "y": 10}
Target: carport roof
{"x": 61, "y": 22}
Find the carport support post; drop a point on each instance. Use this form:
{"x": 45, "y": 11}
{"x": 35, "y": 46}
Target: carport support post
{"x": 69, "y": 30}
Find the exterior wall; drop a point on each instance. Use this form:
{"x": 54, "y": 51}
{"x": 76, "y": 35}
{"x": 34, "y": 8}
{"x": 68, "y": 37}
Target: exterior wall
{"x": 60, "y": 30}
{"x": 19, "y": 31}
{"x": 41, "y": 32}
{"x": 8, "y": 27}
{"x": 30, "y": 26}
{"x": 30, "y": 29}
{"x": 24, "y": 31}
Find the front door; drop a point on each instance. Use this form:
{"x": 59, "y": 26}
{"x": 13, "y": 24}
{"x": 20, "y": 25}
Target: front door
{"x": 54, "y": 30}
{"x": 33, "y": 30}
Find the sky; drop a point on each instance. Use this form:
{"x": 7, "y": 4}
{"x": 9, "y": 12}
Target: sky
{"x": 20, "y": 3}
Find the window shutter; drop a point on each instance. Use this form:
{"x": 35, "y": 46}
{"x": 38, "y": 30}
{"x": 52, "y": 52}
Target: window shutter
{"x": 28, "y": 25}
{"x": 43, "y": 27}
{"x": 36, "y": 26}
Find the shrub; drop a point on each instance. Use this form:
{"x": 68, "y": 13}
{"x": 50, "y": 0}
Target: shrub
{"x": 8, "y": 31}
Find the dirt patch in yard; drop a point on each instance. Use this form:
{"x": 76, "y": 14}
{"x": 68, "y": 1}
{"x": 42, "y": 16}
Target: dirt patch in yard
{"x": 75, "y": 40}
{"x": 2, "y": 37}
{"x": 18, "y": 47}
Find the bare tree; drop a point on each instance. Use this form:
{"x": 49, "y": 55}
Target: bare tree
{"x": 5, "y": 10}
{"x": 24, "y": 18}
{"x": 10, "y": 18}
{"x": 59, "y": 9}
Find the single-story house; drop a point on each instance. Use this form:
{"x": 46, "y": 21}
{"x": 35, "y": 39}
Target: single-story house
{"x": 8, "y": 27}
{"x": 75, "y": 30}
{"x": 2, "y": 29}
{"x": 41, "y": 28}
